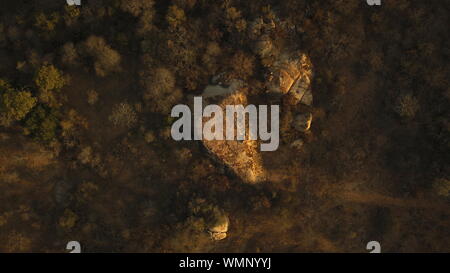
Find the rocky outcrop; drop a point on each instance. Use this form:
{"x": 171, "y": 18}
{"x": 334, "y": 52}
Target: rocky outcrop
{"x": 242, "y": 157}
{"x": 214, "y": 90}
{"x": 212, "y": 218}
{"x": 291, "y": 75}
{"x": 219, "y": 227}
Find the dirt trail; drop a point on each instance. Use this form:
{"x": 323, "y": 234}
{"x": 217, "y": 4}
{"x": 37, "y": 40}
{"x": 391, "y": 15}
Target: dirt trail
{"x": 376, "y": 199}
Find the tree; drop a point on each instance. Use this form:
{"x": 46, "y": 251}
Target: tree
{"x": 160, "y": 90}
{"x": 136, "y": 7}
{"x": 145, "y": 22}
{"x": 49, "y": 79}
{"x": 106, "y": 59}
{"x": 71, "y": 14}
{"x": 46, "y": 23}
{"x": 69, "y": 55}
{"x": 142, "y": 9}
{"x": 210, "y": 57}
{"x": 234, "y": 20}
{"x": 175, "y": 17}
{"x": 42, "y": 123}
{"x": 242, "y": 65}
{"x": 441, "y": 187}
{"x": 123, "y": 115}
{"x": 407, "y": 106}
{"x": 92, "y": 97}
{"x": 14, "y": 105}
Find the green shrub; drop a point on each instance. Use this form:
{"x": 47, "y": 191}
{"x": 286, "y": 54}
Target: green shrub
{"x": 49, "y": 78}
{"x": 14, "y": 105}
{"x": 42, "y": 123}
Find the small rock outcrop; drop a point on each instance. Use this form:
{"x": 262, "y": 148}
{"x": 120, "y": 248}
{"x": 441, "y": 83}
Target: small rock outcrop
{"x": 219, "y": 90}
{"x": 212, "y": 218}
{"x": 219, "y": 227}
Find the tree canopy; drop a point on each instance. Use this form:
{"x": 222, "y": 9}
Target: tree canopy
{"x": 14, "y": 104}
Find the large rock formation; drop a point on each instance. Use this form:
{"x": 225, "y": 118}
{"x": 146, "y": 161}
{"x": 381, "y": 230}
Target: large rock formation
{"x": 291, "y": 76}
{"x": 243, "y": 157}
